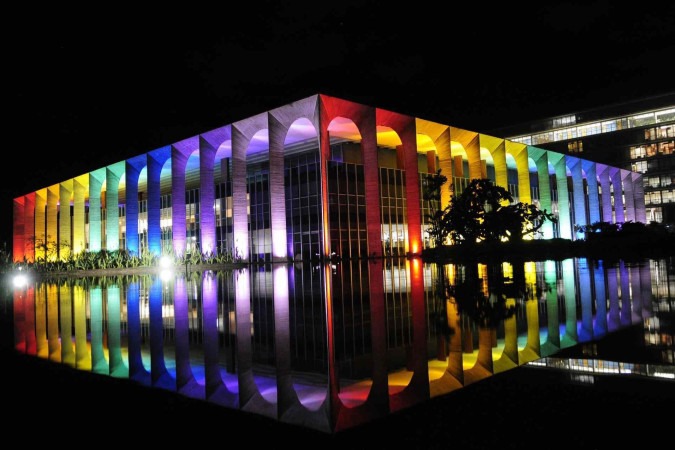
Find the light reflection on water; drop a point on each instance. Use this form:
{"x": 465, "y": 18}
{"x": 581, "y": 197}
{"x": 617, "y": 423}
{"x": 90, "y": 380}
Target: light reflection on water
{"x": 336, "y": 345}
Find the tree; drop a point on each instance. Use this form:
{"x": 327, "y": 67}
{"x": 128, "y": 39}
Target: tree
{"x": 471, "y": 217}
{"x": 521, "y": 219}
{"x": 436, "y": 220}
{"x": 486, "y": 212}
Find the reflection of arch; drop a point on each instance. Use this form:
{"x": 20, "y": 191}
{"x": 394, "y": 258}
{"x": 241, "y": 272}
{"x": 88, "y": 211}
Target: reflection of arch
{"x": 250, "y": 397}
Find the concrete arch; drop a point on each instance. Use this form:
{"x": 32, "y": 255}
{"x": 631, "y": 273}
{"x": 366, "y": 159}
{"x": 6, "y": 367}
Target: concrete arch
{"x": 133, "y": 168}
{"x": 245, "y": 143}
{"x": 493, "y": 153}
{"x": 404, "y": 128}
{"x": 65, "y": 201}
{"x": 355, "y": 122}
{"x": 96, "y": 181}
{"x": 114, "y": 175}
{"x": 182, "y": 153}
{"x": 158, "y": 175}
{"x": 215, "y": 152}
{"x": 521, "y": 157}
{"x": 467, "y": 143}
{"x": 439, "y": 136}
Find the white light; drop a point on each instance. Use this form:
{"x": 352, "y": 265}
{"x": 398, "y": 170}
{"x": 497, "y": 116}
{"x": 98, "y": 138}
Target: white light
{"x": 665, "y": 375}
{"x": 165, "y": 262}
{"x": 20, "y": 280}
{"x": 166, "y": 274}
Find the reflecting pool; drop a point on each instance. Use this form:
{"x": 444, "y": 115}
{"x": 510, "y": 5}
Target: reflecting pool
{"x": 331, "y": 346}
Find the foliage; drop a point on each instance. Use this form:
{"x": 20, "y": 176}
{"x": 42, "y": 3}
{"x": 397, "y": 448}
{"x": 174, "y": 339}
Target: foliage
{"x": 436, "y": 220}
{"x": 604, "y": 230}
{"x": 518, "y": 220}
{"x": 486, "y": 212}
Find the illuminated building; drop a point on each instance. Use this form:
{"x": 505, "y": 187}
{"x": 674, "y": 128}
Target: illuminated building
{"x": 319, "y": 177}
{"x": 637, "y": 136}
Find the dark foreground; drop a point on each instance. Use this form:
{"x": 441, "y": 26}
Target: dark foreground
{"x": 50, "y": 404}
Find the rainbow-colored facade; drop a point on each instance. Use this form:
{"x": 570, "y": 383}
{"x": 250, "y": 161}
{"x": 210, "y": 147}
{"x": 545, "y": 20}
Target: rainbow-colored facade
{"x": 319, "y": 177}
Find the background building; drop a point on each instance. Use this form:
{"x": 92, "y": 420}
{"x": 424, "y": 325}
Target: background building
{"x": 638, "y": 136}
{"x": 320, "y": 177}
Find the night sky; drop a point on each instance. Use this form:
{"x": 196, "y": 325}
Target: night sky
{"x": 84, "y": 93}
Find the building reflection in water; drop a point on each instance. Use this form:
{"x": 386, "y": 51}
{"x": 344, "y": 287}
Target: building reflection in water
{"x": 336, "y": 345}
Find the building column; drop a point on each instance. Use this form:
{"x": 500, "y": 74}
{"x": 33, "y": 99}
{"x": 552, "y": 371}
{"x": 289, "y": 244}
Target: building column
{"x": 578, "y": 192}
{"x": 207, "y": 197}
{"x": 277, "y": 136}
{"x": 627, "y": 182}
{"x": 178, "y": 228}
{"x": 29, "y": 226}
{"x": 615, "y": 176}
{"x": 523, "y": 168}
{"x": 603, "y": 176}
{"x": 40, "y": 224}
{"x": 371, "y": 173}
{"x": 431, "y": 161}
{"x": 18, "y": 229}
{"x": 95, "y": 184}
{"x": 408, "y": 134}
{"x": 497, "y": 149}
{"x": 133, "y": 171}
{"x": 639, "y": 197}
{"x": 239, "y": 197}
{"x": 65, "y": 244}
{"x": 564, "y": 219}
{"x": 540, "y": 158}
{"x": 112, "y": 210}
{"x": 155, "y": 161}
{"x": 80, "y": 187}
{"x": 442, "y": 144}
{"x": 499, "y": 161}
{"x": 593, "y": 198}
{"x": 472, "y": 149}
{"x": 324, "y": 151}
{"x": 52, "y": 221}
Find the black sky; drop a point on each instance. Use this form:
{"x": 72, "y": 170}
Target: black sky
{"x": 84, "y": 93}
